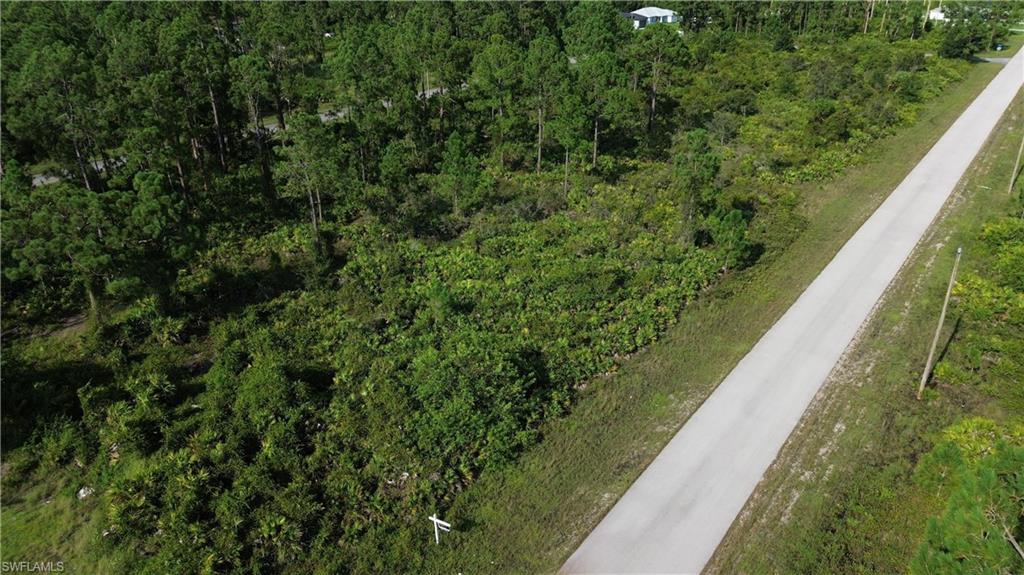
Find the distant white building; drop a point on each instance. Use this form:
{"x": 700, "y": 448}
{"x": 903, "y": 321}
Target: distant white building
{"x": 651, "y": 15}
{"x": 937, "y": 15}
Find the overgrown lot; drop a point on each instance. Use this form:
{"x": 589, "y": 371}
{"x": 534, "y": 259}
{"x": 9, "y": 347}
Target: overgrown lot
{"x": 278, "y": 350}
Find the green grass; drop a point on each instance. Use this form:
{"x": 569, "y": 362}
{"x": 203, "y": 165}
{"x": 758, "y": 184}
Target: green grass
{"x": 531, "y": 516}
{"x": 46, "y": 522}
{"x": 271, "y": 119}
{"x": 42, "y": 166}
{"x": 840, "y": 498}
{"x": 1012, "y": 43}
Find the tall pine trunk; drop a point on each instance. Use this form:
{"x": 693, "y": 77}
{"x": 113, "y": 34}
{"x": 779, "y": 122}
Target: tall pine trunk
{"x": 185, "y": 193}
{"x": 94, "y": 305}
{"x": 501, "y": 137}
{"x": 69, "y": 109}
{"x": 565, "y": 175}
{"x": 540, "y": 134}
{"x": 362, "y": 163}
{"x": 216, "y": 125}
{"x": 885, "y": 14}
{"x": 213, "y": 106}
{"x": 266, "y": 176}
{"x": 81, "y": 164}
{"x": 312, "y": 215}
{"x": 279, "y": 109}
{"x": 654, "y": 97}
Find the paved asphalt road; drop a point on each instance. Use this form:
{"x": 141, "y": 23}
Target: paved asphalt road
{"x": 675, "y": 514}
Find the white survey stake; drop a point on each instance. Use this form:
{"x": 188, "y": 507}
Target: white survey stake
{"x": 439, "y": 526}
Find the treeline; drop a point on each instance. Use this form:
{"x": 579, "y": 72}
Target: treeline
{"x": 188, "y": 92}
{"x": 343, "y": 258}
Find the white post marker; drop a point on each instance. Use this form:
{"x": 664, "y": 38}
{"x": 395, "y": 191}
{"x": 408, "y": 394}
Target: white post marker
{"x": 439, "y": 526}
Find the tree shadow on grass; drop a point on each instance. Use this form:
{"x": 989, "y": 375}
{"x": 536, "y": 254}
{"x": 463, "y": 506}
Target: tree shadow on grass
{"x": 34, "y": 396}
{"x": 229, "y": 292}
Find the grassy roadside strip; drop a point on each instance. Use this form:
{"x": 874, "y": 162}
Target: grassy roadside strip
{"x": 1012, "y": 44}
{"x": 530, "y": 516}
{"x": 840, "y": 497}
{"x": 46, "y": 523}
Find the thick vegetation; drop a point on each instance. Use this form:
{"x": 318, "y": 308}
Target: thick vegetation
{"x": 340, "y": 259}
{"x": 977, "y": 465}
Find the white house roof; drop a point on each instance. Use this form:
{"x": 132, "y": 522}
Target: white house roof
{"x": 652, "y": 11}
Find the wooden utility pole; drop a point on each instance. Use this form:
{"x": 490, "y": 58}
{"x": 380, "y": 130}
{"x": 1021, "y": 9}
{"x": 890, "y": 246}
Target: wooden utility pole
{"x": 938, "y": 330}
{"x": 1009, "y": 537}
{"x": 1016, "y": 167}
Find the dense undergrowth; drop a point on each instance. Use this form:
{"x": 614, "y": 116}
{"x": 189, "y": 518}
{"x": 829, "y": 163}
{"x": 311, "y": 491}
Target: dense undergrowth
{"x": 976, "y": 468}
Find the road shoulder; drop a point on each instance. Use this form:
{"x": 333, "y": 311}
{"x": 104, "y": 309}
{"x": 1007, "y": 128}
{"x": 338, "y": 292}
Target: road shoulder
{"x": 854, "y": 451}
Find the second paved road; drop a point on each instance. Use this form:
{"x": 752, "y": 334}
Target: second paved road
{"x": 675, "y": 514}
